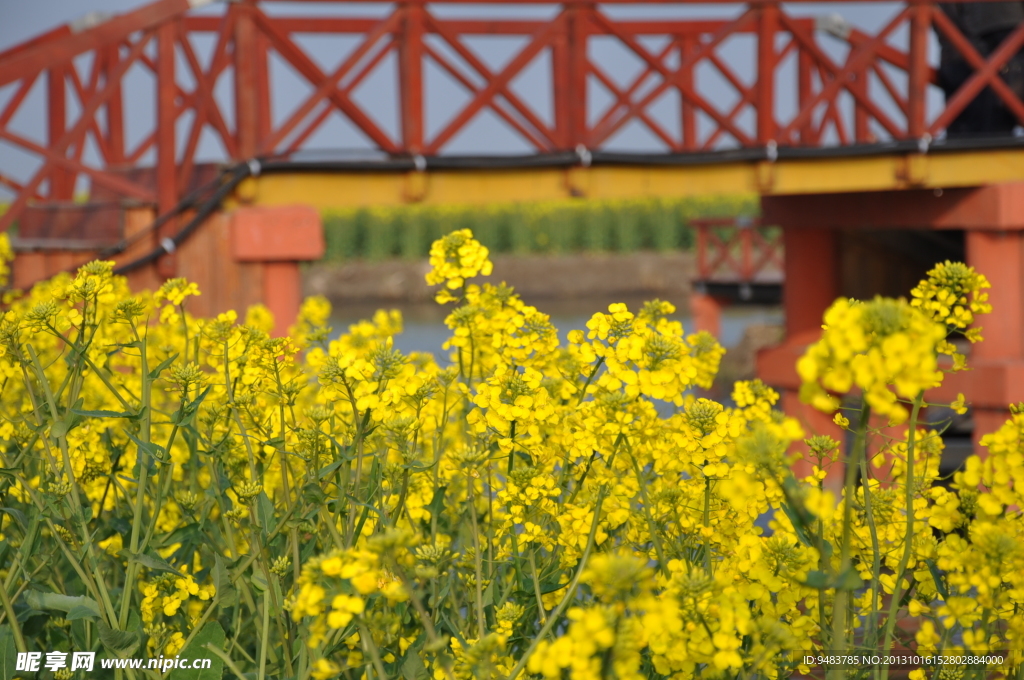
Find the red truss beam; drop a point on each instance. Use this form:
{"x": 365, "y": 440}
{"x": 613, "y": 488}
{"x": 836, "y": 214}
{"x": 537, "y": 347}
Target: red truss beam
{"x": 791, "y": 92}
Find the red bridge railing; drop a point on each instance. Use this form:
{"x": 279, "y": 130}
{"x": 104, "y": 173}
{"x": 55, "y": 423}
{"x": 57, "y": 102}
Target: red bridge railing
{"x": 737, "y": 251}
{"x": 877, "y": 90}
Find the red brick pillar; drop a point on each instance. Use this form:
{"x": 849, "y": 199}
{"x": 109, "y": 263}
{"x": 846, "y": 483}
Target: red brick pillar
{"x": 999, "y": 255}
{"x": 282, "y": 293}
{"x": 280, "y": 238}
{"x": 707, "y": 313}
{"x": 812, "y": 277}
{"x": 992, "y": 217}
{"x": 810, "y": 287}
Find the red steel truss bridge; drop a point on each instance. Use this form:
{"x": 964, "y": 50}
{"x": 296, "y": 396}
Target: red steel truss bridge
{"x": 794, "y": 95}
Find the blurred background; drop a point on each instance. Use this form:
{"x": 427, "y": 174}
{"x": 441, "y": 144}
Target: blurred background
{"x": 748, "y": 162}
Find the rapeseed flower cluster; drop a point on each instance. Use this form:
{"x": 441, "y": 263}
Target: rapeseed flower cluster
{"x": 953, "y": 294}
{"x": 886, "y": 348}
{"x": 455, "y": 258}
{"x": 325, "y": 506}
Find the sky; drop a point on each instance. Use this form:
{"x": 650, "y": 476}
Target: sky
{"x": 21, "y": 20}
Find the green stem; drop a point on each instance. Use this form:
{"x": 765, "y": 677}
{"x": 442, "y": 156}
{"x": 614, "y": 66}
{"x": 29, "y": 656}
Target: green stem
{"x": 163, "y": 486}
{"x": 265, "y": 636}
{"x": 19, "y": 640}
{"x": 102, "y": 375}
{"x": 569, "y": 593}
{"x": 822, "y": 566}
{"x": 876, "y": 555}
{"x": 140, "y": 492}
{"x": 842, "y": 597}
{"x": 371, "y": 648}
{"x": 706, "y": 524}
{"x": 908, "y": 536}
{"x": 478, "y": 566}
{"x": 251, "y": 557}
{"x": 76, "y": 502}
{"x": 227, "y": 661}
{"x": 583, "y": 392}
{"x": 536, "y": 586}
{"x": 651, "y": 526}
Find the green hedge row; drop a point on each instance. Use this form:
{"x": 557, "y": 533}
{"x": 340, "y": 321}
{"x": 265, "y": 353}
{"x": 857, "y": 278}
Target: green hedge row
{"x": 552, "y": 227}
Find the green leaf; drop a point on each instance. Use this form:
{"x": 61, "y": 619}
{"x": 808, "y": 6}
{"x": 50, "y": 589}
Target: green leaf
{"x": 211, "y": 635}
{"x": 80, "y": 612}
{"x": 37, "y": 599}
{"x": 28, "y": 545}
{"x": 313, "y": 494}
{"x": 259, "y": 581}
{"x": 120, "y": 643}
{"x": 413, "y": 667}
{"x": 8, "y": 653}
{"x": 436, "y": 503}
{"x": 59, "y": 429}
{"x": 849, "y": 580}
{"x": 221, "y": 572}
{"x": 344, "y": 452}
{"x": 150, "y": 562}
{"x": 365, "y": 514}
{"x": 154, "y": 450}
{"x": 226, "y": 595}
{"x": 265, "y": 513}
{"x": 488, "y": 596}
{"x": 940, "y": 582}
{"x": 18, "y": 516}
{"x": 102, "y": 414}
{"x": 818, "y": 579}
{"x": 82, "y": 633}
{"x": 307, "y": 551}
{"x": 275, "y": 443}
{"x": 50, "y": 508}
{"x": 186, "y": 413}
{"x": 798, "y": 525}
{"x": 197, "y": 402}
{"x": 551, "y": 586}
{"x": 445, "y": 589}
{"x": 329, "y": 469}
{"x": 155, "y": 373}
{"x": 190, "y": 533}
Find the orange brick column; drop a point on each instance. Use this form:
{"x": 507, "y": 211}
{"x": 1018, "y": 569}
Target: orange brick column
{"x": 812, "y": 277}
{"x": 280, "y": 238}
{"x": 810, "y": 286}
{"x": 706, "y": 311}
{"x": 999, "y": 255}
{"x": 992, "y": 219}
